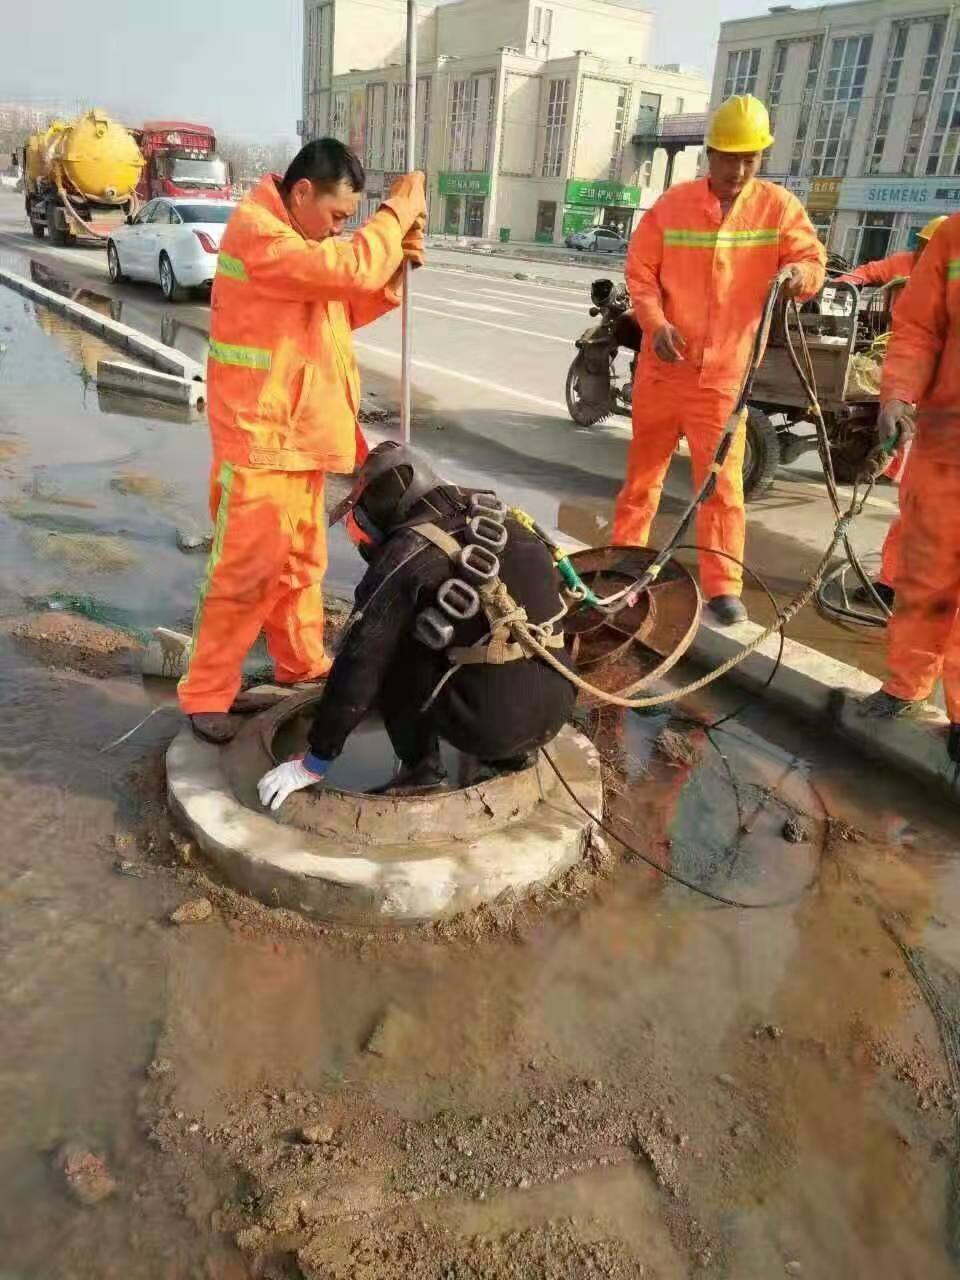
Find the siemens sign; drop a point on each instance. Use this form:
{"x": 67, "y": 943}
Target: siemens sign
{"x": 908, "y": 195}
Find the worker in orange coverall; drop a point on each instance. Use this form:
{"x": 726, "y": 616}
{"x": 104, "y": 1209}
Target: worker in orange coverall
{"x": 283, "y": 393}
{"x": 885, "y": 271}
{"x": 698, "y": 270}
{"x": 922, "y": 368}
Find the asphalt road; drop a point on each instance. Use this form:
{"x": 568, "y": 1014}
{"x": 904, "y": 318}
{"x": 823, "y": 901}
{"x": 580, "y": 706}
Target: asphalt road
{"x": 491, "y": 356}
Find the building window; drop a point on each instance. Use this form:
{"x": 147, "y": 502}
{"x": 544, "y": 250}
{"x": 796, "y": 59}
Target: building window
{"x": 776, "y": 78}
{"x": 373, "y": 153}
{"x": 742, "y": 68}
{"x": 822, "y": 224}
{"x": 316, "y": 71}
{"x": 556, "y": 127}
{"x": 840, "y": 105}
{"x": 547, "y": 27}
{"x": 924, "y": 98}
{"x": 888, "y": 94}
{"x": 471, "y": 123}
{"x": 398, "y": 151}
{"x": 869, "y": 240}
{"x": 678, "y": 106}
{"x": 537, "y": 26}
{"x": 423, "y": 121}
{"x": 541, "y": 28}
{"x": 944, "y": 154}
{"x": 338, "y": 116}
{"x": 806, "y": 104}
{"x": 619, "y": 124}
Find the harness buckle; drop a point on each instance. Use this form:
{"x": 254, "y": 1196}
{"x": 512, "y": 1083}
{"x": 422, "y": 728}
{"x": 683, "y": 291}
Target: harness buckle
{"x": 488, "y": 532}
{"x": 486, "y": 503}
{"x": 458, "y": 600}
{"x": 478, "y": 564}
{"x": 433, "y": 630}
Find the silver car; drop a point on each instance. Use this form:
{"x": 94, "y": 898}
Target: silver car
{"x": 597, "y": 240}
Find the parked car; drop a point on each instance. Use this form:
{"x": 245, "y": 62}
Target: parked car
{"x": 596, "y": 240}
{"x": 170, "y": 242}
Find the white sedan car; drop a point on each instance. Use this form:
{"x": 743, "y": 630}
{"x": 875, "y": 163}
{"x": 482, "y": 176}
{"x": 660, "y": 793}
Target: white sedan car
{"x": 171, "y": 241}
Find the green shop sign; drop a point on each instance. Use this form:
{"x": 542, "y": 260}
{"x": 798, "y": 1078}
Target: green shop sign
{"x": 602, "y": 193}
{"x": 464, "y": 184}
{"x": 578, "y": 220}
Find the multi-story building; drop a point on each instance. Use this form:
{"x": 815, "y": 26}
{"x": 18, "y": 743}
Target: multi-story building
{"x": 532, "y": 119}
{"x": 865, "y": 100}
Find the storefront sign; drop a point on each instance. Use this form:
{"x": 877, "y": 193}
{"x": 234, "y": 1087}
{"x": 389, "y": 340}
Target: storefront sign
{"x": 578, "y": 219}
{"x": 464, "y": 184}
{"x": 901, "y": 195}
{"x": 602, "y": 193}
{"x": 824, "y": 194}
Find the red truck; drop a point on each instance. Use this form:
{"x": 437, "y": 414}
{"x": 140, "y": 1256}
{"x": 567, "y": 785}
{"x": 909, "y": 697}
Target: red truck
{"x": 181, "y": 160}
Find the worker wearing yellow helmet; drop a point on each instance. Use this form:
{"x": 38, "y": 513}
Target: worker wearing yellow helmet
{"x": 899, "y": 265}
{"x": 698, "y": 270}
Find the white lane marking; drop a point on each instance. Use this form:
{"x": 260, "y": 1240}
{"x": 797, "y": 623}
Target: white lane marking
{"x": 550, "y": 303}
{"x": 450, "y": 269}
{"x": 555, "y": 405}
{"x": 491, "y": 324}
{"x": 459, "y": 302}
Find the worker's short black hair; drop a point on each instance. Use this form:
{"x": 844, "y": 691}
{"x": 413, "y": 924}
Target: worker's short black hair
{"x": 326, "y": 162}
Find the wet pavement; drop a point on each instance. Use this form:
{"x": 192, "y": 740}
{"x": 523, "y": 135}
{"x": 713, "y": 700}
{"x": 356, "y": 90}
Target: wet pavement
{"x": 739, "y": 1093}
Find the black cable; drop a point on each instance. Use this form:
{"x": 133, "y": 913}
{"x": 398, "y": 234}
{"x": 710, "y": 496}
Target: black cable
{"x": 673, "y": 875}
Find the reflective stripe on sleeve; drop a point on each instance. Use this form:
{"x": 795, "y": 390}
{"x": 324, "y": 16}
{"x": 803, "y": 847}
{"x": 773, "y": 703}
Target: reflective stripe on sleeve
{"x": 232, "y": 267}
{"x": 245, "y": 357}
{"x": 953, "y": 269}
{"x": 679, "y": 238}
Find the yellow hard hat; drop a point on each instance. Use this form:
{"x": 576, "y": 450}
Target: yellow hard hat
{"x": 932, "y": 227}
{"x": 741, "y": 123}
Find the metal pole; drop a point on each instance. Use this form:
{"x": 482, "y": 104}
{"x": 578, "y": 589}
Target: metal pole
{"x": 406, "y": 311}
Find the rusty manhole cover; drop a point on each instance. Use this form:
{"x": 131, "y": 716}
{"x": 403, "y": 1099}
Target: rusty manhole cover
{"x": 626, "y": 651}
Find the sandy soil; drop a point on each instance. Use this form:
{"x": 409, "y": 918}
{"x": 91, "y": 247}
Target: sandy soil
{"x": 72, "y": 643}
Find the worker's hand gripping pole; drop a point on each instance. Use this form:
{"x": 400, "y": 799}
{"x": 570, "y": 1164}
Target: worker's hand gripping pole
{"x": 406, "y": 308}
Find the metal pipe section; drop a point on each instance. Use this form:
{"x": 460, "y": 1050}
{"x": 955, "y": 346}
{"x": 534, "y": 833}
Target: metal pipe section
{"x": 406, "y": 310}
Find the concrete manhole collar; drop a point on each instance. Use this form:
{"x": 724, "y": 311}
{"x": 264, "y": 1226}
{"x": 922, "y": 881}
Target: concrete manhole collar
{"x": 373, "y": 859}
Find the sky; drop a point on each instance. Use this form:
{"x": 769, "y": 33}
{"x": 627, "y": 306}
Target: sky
{"x": 233, "y": 64}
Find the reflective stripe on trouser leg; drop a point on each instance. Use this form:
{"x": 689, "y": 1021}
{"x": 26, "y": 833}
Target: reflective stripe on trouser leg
{"x": 656, "y": 429}
{"x": 294, "y": 626}
{"x": 721, "y": 521}
{"x": 923, "y": 626}
{"x": 250, "y": 553}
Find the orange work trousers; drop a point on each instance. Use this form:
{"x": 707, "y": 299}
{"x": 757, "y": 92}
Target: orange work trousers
{"x": 923, "y": 636}
{"x": 265, "y": 572}
{"x": 662, "y": 413}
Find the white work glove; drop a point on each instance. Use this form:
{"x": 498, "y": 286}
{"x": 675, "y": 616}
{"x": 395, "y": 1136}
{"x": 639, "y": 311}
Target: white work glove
{"x": 285, "y": 779}
{"x": 895, "y": 416}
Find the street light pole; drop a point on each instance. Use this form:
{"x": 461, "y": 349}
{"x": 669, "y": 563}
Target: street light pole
{"x": 406, "y": 312}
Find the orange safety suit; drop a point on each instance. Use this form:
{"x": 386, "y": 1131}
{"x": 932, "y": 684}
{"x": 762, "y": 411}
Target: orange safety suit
{"x": 923, "y": 367}
{"x": 283, "y": 392}
{"x": 708, "y": 275}
{"x": 897, "y": 266}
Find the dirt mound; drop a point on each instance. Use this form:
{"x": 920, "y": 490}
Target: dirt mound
{"x": 418, "y": 1251}
{"x": 89, "y": 552}
{"x": 141, "y": 485}
{"x": 68, "y": 642}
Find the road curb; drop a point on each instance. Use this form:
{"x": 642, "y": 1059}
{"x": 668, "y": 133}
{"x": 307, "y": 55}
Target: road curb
{"x": 154, "y": 353}
{"x": 130, "y": 378}
{"x": 816, "y": 687}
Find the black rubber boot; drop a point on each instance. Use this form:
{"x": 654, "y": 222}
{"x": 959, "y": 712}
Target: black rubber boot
{"x": 886, "y": 594}
{"x": 427, "y": 775}
{"x": 727, "y": 610}
{"x": 884, "y": 706}
{"x": 215, "y": 726}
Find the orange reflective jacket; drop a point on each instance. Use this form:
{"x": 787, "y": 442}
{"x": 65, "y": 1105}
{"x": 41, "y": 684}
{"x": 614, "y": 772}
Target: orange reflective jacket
{"x": 282, "y": 380}
{"x": 923, "y": 361}
{"x": 883, "y": 270}
{"x": 708, "y": 275}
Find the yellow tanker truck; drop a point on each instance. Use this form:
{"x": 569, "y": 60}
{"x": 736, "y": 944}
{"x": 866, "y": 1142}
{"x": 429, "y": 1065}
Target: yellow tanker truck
{"x": 80, "y": 178}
